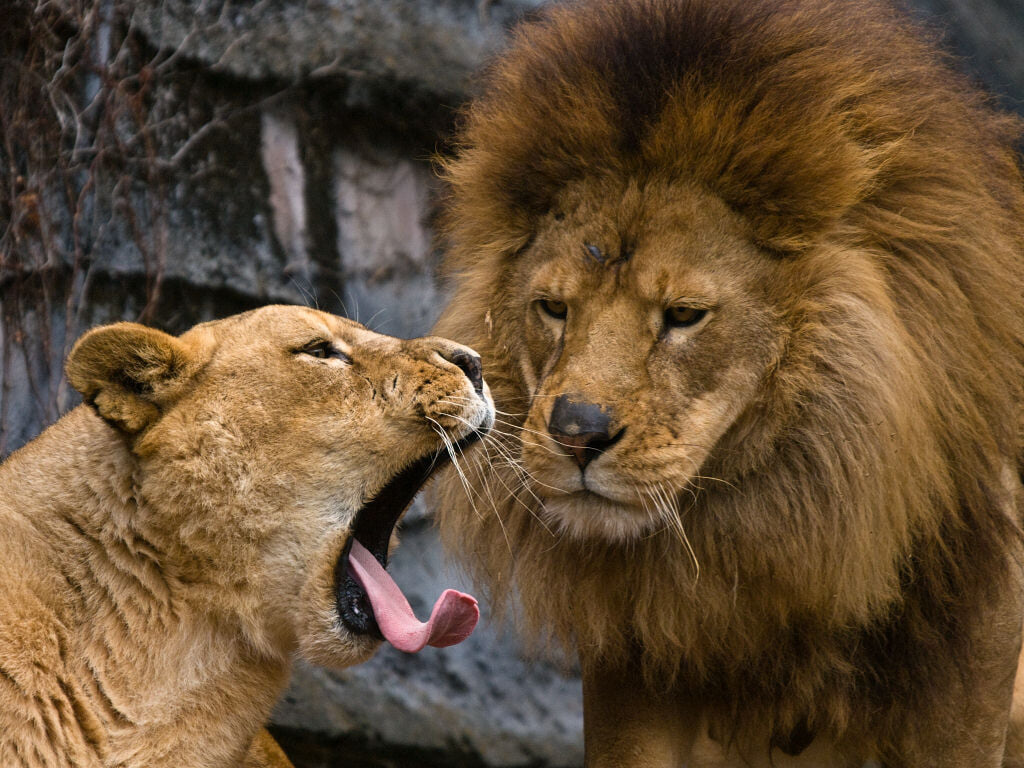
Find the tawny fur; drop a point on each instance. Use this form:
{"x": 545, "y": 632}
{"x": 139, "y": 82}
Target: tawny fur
{"x": 838, "y": 447}
{"x": 170, "y": 545}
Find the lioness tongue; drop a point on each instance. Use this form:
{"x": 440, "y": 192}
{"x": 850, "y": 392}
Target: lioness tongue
{"x": 454, "y": 616}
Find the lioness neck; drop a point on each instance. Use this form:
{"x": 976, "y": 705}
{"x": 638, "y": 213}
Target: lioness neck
{"x": 144, "y": 644}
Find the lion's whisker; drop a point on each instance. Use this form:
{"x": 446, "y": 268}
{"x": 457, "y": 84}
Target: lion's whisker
{"x": 670, "y": 511}
{"x": 714, "y": 479}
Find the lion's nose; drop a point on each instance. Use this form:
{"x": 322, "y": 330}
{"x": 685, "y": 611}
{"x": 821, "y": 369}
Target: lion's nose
{"x": 469, "y": 363}
{"x": 584, "y": 428}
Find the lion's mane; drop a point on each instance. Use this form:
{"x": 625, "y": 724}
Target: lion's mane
{"x": 862, "y": 518}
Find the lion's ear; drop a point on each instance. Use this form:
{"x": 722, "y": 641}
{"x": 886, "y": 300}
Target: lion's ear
{"x": 127, "y": 372}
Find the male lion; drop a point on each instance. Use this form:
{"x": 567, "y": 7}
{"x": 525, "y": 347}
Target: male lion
{"x": 748, "y": 280}
{"x": 222, "y": 500}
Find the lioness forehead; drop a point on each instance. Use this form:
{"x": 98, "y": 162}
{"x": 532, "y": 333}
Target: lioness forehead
{"x": 284, "y": 322}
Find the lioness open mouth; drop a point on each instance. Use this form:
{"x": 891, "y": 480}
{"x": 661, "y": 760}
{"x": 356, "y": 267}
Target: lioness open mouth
{"x": 368, "y": 600}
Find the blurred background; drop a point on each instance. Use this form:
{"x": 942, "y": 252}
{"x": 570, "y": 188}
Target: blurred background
{"x": 172, "y": 161}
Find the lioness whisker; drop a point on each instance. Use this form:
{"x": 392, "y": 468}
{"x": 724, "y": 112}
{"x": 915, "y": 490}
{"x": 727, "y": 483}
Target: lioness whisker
{"x": 469, "y": 400}
{"x": 516, "y": 437}
{"x": 469, "y": 491}
{"x": 468, "y": 487}
{"x": 450, "y": 448}
{"x": 512, "y": 424}
{"x": 522, "y": 475}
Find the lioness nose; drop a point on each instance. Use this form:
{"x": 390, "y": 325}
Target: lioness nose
{"x": 470, "y": 365}
{"x": 582, "y": 427}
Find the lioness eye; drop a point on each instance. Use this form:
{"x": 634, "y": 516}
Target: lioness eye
{"x": 557, "y": 309}
{"x": 683, "y": 316}
{"x": 325, "y": 350}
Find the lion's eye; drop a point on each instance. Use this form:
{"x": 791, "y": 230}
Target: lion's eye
{"x": 324, "y": 350}
{"x": 557, "y": 309}
{"x": 683, "y": 316}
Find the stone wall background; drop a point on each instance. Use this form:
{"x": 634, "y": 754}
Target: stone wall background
{"x": 170, "y": 161}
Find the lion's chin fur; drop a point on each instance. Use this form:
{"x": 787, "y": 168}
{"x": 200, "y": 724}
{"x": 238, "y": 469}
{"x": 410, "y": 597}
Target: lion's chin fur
{"x": 860, "y": 528}
{"x": 587, "y": 516}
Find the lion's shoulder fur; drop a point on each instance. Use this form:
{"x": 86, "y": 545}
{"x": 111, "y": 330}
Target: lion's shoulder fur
{"x": 891, "y": 191}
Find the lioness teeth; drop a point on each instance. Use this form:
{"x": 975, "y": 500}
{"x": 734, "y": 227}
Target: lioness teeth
{"x": 451, "y": 621}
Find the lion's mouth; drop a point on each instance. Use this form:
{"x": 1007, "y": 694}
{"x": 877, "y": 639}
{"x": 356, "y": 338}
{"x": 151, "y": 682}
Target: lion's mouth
{"x": 368, "y": 601}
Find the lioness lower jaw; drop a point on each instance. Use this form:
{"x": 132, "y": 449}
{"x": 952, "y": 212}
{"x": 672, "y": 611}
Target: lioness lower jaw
{"x": 368, "y": 601}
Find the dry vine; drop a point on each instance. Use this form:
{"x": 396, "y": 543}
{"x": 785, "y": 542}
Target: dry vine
{"x": 95, "y": 125}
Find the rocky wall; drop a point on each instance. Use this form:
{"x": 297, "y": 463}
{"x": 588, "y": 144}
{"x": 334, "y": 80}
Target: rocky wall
{"x": 171, "y": 161}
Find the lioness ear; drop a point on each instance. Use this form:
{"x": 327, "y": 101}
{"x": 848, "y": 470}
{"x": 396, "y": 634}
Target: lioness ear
{"x": 127, "y": 372}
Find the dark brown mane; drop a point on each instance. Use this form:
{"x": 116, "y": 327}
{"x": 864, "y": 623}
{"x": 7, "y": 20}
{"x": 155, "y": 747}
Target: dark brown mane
{"x": 792, "y": 112}
{"x": 865, "y": 494}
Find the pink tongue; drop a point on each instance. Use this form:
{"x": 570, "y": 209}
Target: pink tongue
{"x": 454, "y": 616}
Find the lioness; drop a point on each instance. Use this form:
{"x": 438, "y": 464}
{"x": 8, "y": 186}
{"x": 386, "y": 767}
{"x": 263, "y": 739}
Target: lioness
{"x": 748, "y": 280}
{"x": 221, "y": 501}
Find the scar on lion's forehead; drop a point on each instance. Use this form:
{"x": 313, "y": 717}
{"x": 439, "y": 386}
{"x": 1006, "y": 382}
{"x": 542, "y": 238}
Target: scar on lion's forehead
{"x": 595, "y": 254}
